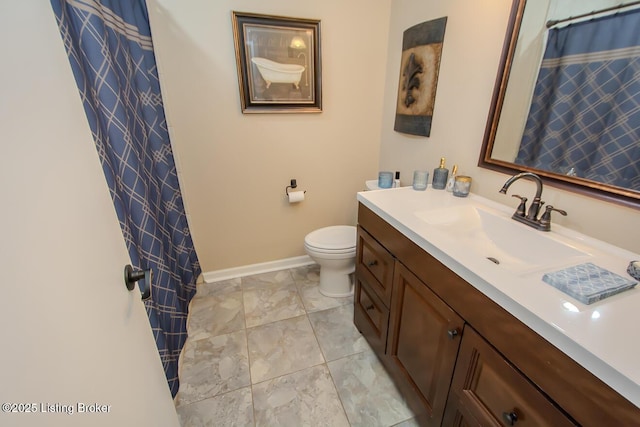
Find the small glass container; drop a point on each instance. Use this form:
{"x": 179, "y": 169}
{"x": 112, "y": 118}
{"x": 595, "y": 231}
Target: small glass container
{"x": 420, "y": 180}
{"x": 462, "y": 186}
{"x": 452, "y": 179}
{"x": 385, "y": 179}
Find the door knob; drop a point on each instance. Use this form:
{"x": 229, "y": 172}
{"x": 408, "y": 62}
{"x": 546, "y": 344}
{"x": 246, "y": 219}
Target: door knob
{"x": 131, "y": 277}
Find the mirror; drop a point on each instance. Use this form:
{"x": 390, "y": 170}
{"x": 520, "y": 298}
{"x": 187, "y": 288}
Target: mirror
{"x": 519, "y": 65}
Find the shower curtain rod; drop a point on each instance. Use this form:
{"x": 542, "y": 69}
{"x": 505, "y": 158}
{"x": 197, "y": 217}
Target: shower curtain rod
{"x": 553, "y": 22}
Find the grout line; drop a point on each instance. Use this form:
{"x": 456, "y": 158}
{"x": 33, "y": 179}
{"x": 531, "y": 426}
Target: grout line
{"x": 306, "y": 313}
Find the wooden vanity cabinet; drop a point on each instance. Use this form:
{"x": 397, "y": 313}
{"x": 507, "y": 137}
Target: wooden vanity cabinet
{"x": 487, "y": 390}
{"x": 424, "y": 336}
{"x": 502, "y": 365}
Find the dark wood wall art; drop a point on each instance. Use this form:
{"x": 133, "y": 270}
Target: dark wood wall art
{"x": 421, "y": 52}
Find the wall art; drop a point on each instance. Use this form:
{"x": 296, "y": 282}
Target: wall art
{"x": 279, "y": 65}
{"x": 419, "y": 66}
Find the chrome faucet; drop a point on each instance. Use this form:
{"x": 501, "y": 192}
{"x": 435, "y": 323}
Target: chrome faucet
{"x": 530, "y": 217}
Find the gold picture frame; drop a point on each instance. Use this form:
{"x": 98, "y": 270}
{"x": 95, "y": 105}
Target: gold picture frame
{"x": 278, "y": 62}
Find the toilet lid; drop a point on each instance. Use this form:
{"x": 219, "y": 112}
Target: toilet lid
{"x": 334, "y": 237}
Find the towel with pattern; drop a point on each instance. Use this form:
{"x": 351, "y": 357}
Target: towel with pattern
{"x": 587, "y": 282}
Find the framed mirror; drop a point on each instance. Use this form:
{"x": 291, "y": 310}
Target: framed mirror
{"x": 515, "y": 88}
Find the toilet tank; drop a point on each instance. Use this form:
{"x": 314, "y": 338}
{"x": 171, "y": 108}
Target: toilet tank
{"x": 371, "y": 184}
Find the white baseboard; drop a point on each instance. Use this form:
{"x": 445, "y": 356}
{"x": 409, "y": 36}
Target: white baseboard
{"x": 264, "y": 267}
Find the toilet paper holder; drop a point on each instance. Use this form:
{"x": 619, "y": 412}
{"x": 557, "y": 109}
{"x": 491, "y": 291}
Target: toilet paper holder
{"x": 293, "y": 186}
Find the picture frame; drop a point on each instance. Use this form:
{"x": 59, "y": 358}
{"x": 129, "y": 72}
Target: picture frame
{"x": 278, "y": 62}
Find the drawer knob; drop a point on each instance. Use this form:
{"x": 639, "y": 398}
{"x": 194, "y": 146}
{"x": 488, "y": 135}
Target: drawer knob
{"x": 510, "y": 418}
{"x": 372, "y": 263}
{"x": 369, "y": 307}
{"x": 452, "y": 333}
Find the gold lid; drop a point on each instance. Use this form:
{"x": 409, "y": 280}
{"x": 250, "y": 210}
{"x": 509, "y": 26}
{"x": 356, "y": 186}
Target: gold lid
{"x": 454, "y": 170}
{"x": 441, "y": 162}
{"x": 463, "y": 178}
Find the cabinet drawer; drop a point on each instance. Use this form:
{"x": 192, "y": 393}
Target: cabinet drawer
{"x": 488, "y": 390}
{"x": 375, "y": 265}
{"x": 371, "y": 317}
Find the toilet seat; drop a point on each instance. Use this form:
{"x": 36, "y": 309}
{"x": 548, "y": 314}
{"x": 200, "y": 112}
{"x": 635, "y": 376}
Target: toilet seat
{"x": 321, "y": 251}
{"x": 335, "y": 239}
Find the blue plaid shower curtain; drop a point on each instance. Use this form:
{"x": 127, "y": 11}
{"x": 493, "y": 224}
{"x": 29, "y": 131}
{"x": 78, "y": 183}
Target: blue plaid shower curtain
{"x": 585, "y": 111}
{"x": 111, "y": 53}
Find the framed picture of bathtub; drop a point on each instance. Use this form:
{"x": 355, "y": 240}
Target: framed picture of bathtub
{"x": 279, "y": 66}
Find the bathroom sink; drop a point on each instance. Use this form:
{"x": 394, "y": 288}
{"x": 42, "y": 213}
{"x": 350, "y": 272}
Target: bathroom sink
{"x": 500, "y": 239}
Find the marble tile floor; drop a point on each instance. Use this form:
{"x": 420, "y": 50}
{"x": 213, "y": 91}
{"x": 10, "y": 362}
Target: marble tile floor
{"x": 270, "y": 350}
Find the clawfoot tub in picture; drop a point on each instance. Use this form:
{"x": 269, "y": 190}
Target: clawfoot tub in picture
{"x": 276, "y": 72}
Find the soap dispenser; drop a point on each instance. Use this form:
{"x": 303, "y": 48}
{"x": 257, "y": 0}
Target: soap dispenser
{"x": 452, "y": 179}
{"x": 396, "y": 181}
{"x": 440, "y": 175}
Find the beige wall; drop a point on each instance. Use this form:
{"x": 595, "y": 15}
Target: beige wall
{"x": 472, "y": 47}
{"x": 234, "y": 167}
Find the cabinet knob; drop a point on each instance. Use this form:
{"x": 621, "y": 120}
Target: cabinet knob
{"x": 372, "y": 263}
{"x": 510, "y": 418}
{"x": 452, "y": 333}
{"x": 369, "y": 307}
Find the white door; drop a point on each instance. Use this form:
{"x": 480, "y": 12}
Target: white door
{"x": 76, "y": 346}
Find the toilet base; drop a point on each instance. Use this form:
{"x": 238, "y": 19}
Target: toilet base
{"x": 335, "y": 284}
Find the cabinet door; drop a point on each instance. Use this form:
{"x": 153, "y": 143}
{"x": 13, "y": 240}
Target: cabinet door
{"x": 487, "y": 390}
{"x": 424, "y": 336}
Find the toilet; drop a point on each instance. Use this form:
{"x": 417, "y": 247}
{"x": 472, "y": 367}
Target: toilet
{"x": 334, "y": 249}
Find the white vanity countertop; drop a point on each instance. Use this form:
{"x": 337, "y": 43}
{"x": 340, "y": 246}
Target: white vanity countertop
{"x": 603, "y": 337}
